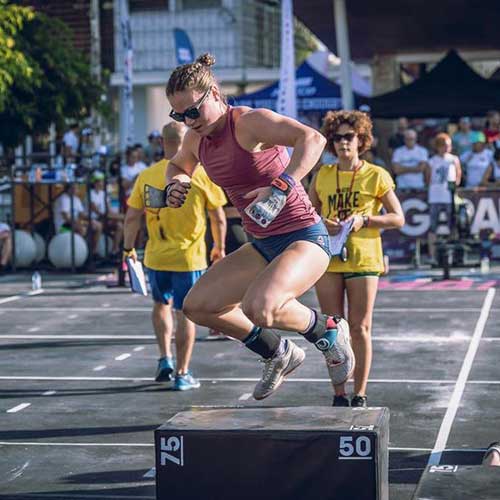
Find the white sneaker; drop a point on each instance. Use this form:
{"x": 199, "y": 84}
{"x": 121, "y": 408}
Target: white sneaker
{"x": 339, "y": 355}
{"x": 276, "y": 369}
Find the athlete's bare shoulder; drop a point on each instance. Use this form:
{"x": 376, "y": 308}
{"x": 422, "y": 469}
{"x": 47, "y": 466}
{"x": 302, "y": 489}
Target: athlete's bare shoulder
{"x": 191, "y": 142}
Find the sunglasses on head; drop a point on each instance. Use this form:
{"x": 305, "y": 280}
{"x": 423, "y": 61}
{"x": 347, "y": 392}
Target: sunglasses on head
{"x": 192, "y": 113}
{"x": 348, "y": 137}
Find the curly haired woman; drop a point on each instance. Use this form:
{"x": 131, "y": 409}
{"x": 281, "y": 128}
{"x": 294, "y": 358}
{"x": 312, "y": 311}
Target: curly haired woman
{"x": 354, "y": 190}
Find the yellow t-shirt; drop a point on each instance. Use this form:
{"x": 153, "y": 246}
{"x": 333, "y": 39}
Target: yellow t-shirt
{"x": 370, "y": 184}
{"x": 184, "y": 247}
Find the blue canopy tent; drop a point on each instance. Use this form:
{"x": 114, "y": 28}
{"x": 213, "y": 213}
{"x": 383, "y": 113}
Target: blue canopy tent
{"x": 315, "y": 93}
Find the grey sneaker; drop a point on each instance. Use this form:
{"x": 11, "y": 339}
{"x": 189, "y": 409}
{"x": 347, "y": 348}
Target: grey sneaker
{"x": 276, "y": 369}
{"x": 339, "y": 355}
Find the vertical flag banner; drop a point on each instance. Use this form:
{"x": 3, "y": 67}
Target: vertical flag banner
{"x": 128, "y": 55}
{"x": 183, "y": 47}
{"x": 287, "y": 95}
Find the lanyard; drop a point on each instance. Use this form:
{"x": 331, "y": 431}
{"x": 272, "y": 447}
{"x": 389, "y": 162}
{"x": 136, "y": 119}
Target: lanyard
{"x": 157, "y": 214}
{"x": 344, "y": 212}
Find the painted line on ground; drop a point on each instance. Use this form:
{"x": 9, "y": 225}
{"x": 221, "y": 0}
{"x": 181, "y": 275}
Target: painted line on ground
{"x": 407, "y": 338}
{"x": 245, "y": 396}
{"x": 151, "y": 445}
{"x": 73, "y": 316}
{"x": 37, "y": 443}
{"x": 381, "y": 310}
{"x": 224, "y": 379}
{"x": 375, "y": 338}
{"x": 78, "y": 337}
{"x": 33, "y": 329}
{"x": 123, "y": 356}
{"x": 76, "y": 309}
{"x": 102, "y": 496}
{"x": 17, "y": 408}
{"x": 215, "y": 379}
{"x": 48, "y": 393}
{"x": 13, "y": 298}
{"x": 99, "y": 368}
{"x": 150, "y": 474}
{"x": 10, "y": 299}
{"x": 447, "y": 423}
{"x": 138, "y": 348}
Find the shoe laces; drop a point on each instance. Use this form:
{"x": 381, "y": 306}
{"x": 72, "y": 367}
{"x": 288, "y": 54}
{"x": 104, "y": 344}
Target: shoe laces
{"x": 268, "y": 371}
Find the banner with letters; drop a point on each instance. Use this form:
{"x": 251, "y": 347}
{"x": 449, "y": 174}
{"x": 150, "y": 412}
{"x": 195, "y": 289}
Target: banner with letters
{"x": 484, "y": 205}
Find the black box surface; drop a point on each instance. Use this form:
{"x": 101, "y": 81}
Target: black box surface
{"x": 319, "y": 453}
{"x": 459, "y": 482}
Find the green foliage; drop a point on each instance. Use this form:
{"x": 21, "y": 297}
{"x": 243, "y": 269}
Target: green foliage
{"x": 61, "y": 86}
{"x": 305, "y": 42}
{"x": 13, "y": 63}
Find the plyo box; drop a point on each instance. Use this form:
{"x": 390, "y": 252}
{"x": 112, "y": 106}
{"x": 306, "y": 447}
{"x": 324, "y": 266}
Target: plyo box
{"x": 459, "y": 482}
{"x": 319, "y": 453}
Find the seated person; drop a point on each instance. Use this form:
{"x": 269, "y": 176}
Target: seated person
{"x": 78, "y": 221}
{"x": 5, "y": 246}
{"x": 129, "y": 171}
{"x": 103, "y": 212}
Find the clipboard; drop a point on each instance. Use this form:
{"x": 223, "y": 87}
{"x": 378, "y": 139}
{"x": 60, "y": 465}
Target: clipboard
{"x": 137, "y": 278}
{"x": 339, "y": 240}
{"x": 154, "y": 197}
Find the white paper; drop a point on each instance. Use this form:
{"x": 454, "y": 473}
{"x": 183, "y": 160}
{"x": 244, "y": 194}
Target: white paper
{"x": 137, "y": 278}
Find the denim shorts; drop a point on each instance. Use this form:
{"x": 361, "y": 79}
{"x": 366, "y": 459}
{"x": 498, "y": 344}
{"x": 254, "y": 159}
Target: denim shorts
{"x": 272, "y": 246}
{"x": 435, "y": 210}
{"x": 166, "y": 285}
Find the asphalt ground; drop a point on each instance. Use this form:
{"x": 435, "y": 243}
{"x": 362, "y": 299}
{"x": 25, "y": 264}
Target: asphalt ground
{"x": 78, "y": 404}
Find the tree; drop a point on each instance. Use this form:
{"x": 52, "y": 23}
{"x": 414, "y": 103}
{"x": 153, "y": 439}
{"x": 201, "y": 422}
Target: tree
{"x": 305, "y": 42}
{"x": 13, "y": 63}
{"x": 61, "y": 86}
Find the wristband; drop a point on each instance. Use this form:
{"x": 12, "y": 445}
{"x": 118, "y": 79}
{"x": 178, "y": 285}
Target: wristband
{"x": 366, "y": 220}
{"x": 288, "y": 179}
{"x": 128, "y": 249}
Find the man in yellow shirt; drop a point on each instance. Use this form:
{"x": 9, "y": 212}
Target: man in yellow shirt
{"x": 175, "y": 253}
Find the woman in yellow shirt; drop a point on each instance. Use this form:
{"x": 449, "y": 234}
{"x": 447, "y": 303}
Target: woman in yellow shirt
{"x": 354, "y": 189}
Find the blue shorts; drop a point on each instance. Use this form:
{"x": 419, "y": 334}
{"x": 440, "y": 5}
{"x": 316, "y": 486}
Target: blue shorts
{"x": 168, "y": 284}
{"x": 435, "y": 210}
{"x": 272, "y": 246}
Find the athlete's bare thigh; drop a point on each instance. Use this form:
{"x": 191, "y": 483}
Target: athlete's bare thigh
{"x": 225, "y": 283}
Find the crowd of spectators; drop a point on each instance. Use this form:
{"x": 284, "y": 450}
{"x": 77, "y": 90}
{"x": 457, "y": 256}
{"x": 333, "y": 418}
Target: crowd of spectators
{"x": 471, "y": 158}
{"x": 476, "y": 143}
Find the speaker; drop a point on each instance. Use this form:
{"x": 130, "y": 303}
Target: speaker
{"x": 319, "y": 453}
{"x": 459, "y": 482}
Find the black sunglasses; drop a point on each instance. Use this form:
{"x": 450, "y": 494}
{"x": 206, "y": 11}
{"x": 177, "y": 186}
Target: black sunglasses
{"x": 192, "y": 113}
{"x": 348, "y": 137}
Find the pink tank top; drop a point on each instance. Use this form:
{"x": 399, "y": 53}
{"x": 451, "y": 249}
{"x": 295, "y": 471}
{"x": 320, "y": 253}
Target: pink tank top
{"x": 239, "y": 171}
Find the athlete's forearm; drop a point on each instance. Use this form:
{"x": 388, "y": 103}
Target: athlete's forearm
{"x": 306, "y": 153}
{"x": 175, "y": 172}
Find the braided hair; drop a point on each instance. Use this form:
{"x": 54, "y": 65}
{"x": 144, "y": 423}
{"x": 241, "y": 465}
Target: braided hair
{"x": 197, "y": 76}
